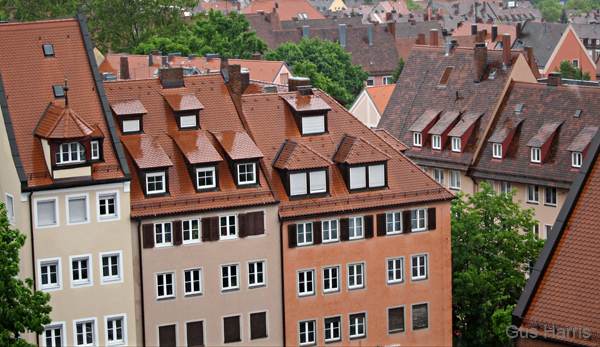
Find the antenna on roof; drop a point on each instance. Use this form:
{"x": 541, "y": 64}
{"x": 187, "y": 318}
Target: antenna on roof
{"x": 66, "y": 89}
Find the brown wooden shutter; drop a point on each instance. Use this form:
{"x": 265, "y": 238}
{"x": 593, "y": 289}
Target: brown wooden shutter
{"x": 368, "y": 226}
{"x": 242, "y": 225}
{"x": 420, "y": 316}
{"x": 214, "y": 228}
{"x": 259, "y": 223}
{"x": 381, "y": 224}
{"x": 231, "y": 327}
{"x": 292, "y": 237}
{"x": 205, "y": 229}
{"x": 148, "y": 231}
{"x": 195, "y": 334}
{"x": 317, "y": 232}
{"x": 344, "y": 229}
{"x": 396, "y": 319}
{"x": 431, "y": 218}
{"x": 178, "y": 232}
{"x": 166, "y": 336}
{"x": 406, "y": 222}
{"x": 258, "y": 325}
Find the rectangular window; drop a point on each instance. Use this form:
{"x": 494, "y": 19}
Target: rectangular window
{"x": 167, "y": 335}
{"x": 258, "y": 325}
{"x": 77, "y": 209}
{"x": 298, "y": 184}
{"x": 550, "y": 196}
{"x": 356, "y": 227}
{"x": 229, "y": 277}
{"x": 115, "y": 330}
{"x": 246, "y": 173}
{"x": 436, "y": 142}
{"x": 306, "y": 282}
{"x": 318, "y": 182}
{"x": 376, "y": 176}
{"x": 576, "y": 159}
{"x": 195, "y": 334}
{"x": 394, "y": 223}
{"x": 192, "y": 281}
{"x": 231, "y": 329}
{"x": 50, "y": 274}
{"x": 95, "y": 150}
{"x": 387, "y": 80}
{"x": 130, "y": 126}
{"x": 187, "y": 121}
{"x": 533, "y": 195}
{"x": 155, "y": 183}
{"x": 163, "y": 235}
{"x": 331, "y": 279}
{"x": 420, "y": 316}
{"x": 107, "y": 205}
{"x": 358, "y": 177}
{"x": 84, "y": 333}
{"x": 504, "y": 187}
{"x": 81, "y": 273}
{"x": 356, "y": 274}
{"x": 330, "y": 230}
{"x": 206, "y": 177}
{"x": 395, "y": 270}
{"x": 456, "y": 144}
{"x": 227, "y": 225}
{"x": 313, "y": 125}
{"x": 46, "y": 212}
{"x": 54, "y": 336}
{"x": 370, "y": 81}
{"x": 536, "y": 155}
{"x": 73, "y": 152}
{"x": 307, "y": 333}
{"x": 419, "y": 267}
{"x": 547, "y": 230}
{"x": 454, "y": 179}
{"x": 10, "y": 208}
{"x": 491, "y": 183}
{"x": 333, "y": 329}
{"x": 395, "y": 320}
{"x": 417, "y": 139}
{"x": 445, "y": 76}
{"x": 48, "y": 50}
{"x": 305, "y": 236}
{"x": 575, "y": 63}
{"x": 256, "y": 273}
{"x": 191, "y": 231}
{"x": 358, "y": 326}
{"x": 417, "y": 220}
{"x": 111, "y": 267}
{"x": 438, "y": 175}
{"x": 497, "y": 150}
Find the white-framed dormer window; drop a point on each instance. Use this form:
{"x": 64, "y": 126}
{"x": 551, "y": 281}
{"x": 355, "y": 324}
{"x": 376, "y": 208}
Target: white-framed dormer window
{"x": 192, "y": 282}
{"x": 229, "y": 277}
{"x": 419, "y": 267}
{"x": 376, "y": 176}
{"x": 358, "y": 177}
{"x": 454, "y": 179}
{"x": 54, "y": 335}
{"x": 228, "y": 227}
{"x": 306, "y": 282}
{"x": 533, "y": 194}
{"x": 68, "y": 153}
{"x": 436, "y": 142}
{"x": 536, "y": 155}
{"x": 163, "y": 234}
{"x": 356, "y": 227}
{"x": 394, "y": 223}
{"x": 165, "y": 287}
{"x": 246, "y": 173}
{"x": 46, "y": 212}
{"x": 438, "y": 175}
{"x": 456, "y": 144}
{"x": 417, "y": 219}
{"x": 330, "y": 230}
{"x": 130, "y": 126}
{"x": 50, "y": 274}
{"x": 78, "y": 209}
{"x": 191, "y": 231}
{"x": 111, "y": 267}
{"x": 576, "y": 159}
{"x": 417, "y": 138}
{"x": 305, "y": 234}
{"x": 10, "y": 208}
{"x": 313, "y": 125}
{"x": 95, "y": 149}
{"x": 80, "y": 267}
{"x": 187, "y": 121}
{"x": 155, "y": 183}
{"x": 116, "y": 329}
{"x": 86, "y": 332}
{"x": 205, "y": 177}
{"x": 497, "y": 150}
{"x": 108, "y": 205}
{"x": 356, "y": 276}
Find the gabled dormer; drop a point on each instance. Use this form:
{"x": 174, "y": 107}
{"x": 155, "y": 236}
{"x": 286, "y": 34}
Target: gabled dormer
{"x": 242, "y": 157}
{"x": 309, "y": 111}
{"x": 130, "y": 116}
{"x": 186, "y": 109}
{"x": 579, "y": 147}
{"x": 439, "y": 132}
{"x": 420, "y": 129}
{"x": 363, "y": 166}
{"x": 461, "y": 132}
{"x": 541, "y": 142}
{"x": 303, "y": 171}
{"x": 503, "y": 136}
{"x": 151, "y": 162}
{"x": 201, "y": 159}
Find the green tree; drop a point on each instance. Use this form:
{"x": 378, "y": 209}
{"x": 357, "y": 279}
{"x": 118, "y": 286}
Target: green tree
{"x": 493, "y": 244}
{"x": 563, "y": 17}
{"x": 28, "y": 10}
{"x": 398, "y": 70}
{"x": 567, "y": 70}
{"x": 551, "y": 10}
{"x": 22, "y": 309}
{"x": 583, "y": 5}
{"x": 410, "y": 4}
{"x": 368, "y": 2}
{"x": 326, "y": 62}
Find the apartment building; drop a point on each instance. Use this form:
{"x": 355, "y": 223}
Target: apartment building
{"x": 66, "y": 183}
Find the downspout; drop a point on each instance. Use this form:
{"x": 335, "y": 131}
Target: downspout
{"x": 141, "y": 282}
{"x": 37, "y": 336}
{"x": 282, "y": 280}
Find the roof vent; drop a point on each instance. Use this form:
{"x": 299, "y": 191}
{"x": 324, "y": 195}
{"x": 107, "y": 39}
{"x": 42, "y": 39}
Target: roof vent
{"x": 577, "y": 113}
{"x": 493, "y": 73}
{"x": 48, "y": 51}
{"x": 108, "y": 76}
{"x": 518, "y": 108}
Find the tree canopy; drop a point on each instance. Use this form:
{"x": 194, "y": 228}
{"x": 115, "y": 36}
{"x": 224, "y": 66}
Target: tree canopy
{"x": 398, "y": 70}
{"x": 567, "y": 70}
{"x": 326, "y": 64}
{"x": 22, "y": 308}
{"x": 551, "y": 10}
{"x": 410, "y": 4}
{"x": 493, "y": 246}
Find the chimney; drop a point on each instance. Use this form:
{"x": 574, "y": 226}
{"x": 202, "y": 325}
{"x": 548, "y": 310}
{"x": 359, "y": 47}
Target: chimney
{"x": 433, "y": 37}
{"x": 448, "y": 46}
{"x": 306, "y": 33}
{"x": 430, "y": 13}
{"x": 391, "y": 26}
{"x": 425, "y": 17}
{"x": 191, "y": 56}
{"x": 171, "y": 78}
{"x": 369, "y": 33}
{"x": 238, "y": 80}
{"x": 239, "y": 6}
{"x": 421, "y": 39}
{"x": 164, "y": 62}
{"x": 506, "y": 44}
{"x": 156, "y": 52}
{"x": 518, "y": 30}
{"x": 530, "y": 57}
{"x": 224, "y": 62}
{"x": 275, "y": 21}
{"x": 124, "y": 66}
{"x": 554, "y": 79}
{"x": 150, "y": 60}
{"x": 494, "y": 32}
{"x": 245, "y": 76}
{"x": 440, "y": 12}
{"x": 483, "y": 9}
{"x": 479, "y": 61}
{"x": 295, "y": 82}
{"x": 256, "y": 56}
{"x": 473, "y": 29}
{"x": 480, "y": 37}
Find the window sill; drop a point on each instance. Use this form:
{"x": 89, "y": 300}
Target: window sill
{"x": 533, "y": 202}
{"x": 253, "y": 286}
{"x": 358, "y": 337}
{"x": 419, "y": 279}
{"x": 396, "y": 331}
{"x": 50, "y": 288}
{"x": 227, "y": 290}
{"x": 356, "y": 238}
{"x": 304, "y": 295}
{"x": 191, "y": 295}
{"x": 110, "y": 280}
{"x": 305, "y": 244}
{"x": 333, "y": 340}
{"x": 161, "y": 245}
{"x": 418, "y": 230}
{"x": 165, "y": 298}
{"x": 394, "y": 233}
{"x": 454, "y": 188}
{"x": 81, "y": 284}
{"x": 234, "y": 341}
{"x": 356, "y": 288}
{"x": 192, "y": 242}
{"x": 228, "y": 238}
{"x": 332, "y": 291}
{"x": 395, "y": 282}
{"x": 108, "y": 217}
{"x": 550, "y": 205}
{"x": 331, "y": 241}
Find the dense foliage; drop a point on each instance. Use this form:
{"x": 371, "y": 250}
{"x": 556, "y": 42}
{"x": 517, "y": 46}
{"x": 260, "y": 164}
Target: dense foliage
{"x": 398, "y": 70}
{"x": 567, "y": 70}
{"x": 493, "y": 246}
{"x": 410, "y": 4}
{"x": 554, "y": 11}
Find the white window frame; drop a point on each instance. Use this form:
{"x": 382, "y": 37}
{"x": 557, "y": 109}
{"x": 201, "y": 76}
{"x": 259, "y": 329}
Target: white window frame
{"x": 394, "y": 269}
{"x": 108, "y": 217}
{"x": 455, "y": 179}
{"x": 357, "y": 323}
{"x": 547, "y": 230}
{"x": 353, "y": 183}
{"x": 82, "y": 283}
{"x": 94, "y": 322}
{"x": 320, "y": 119}
{"x": 332, "y": 329}
{"x": 370, "y": 81}
{"x": 229, "y": 276}
{"x": 417, "y": 139}
{"x": 497, "y": 150}
{"x": 536, "y": 155}
{"x": 228, "y": 226}
{"x": 52, "y": 326}
{"x": 85, "y": 196}
{"x": 10, "y": 208}
{"x": 536, "y": 190}
{"x": 328, "y": 222}
{"x": 127, "y": 126}
{"x": 417, "y": 212}
{"x": 59, "y": 153}
{"x": 372, "y": 175}
{"x": 436, "y": 142}
{"x": 576, "y": 63}
{"x": 190, "y": 239}
{"x": 56, "y": 212}
{"x": 327, "y": 270}
{"x": 164, "y": 277}
{"x": 188, "y": 125}
{"x": 304, "y": 233}
{"x": 456, "y": 144}
{"x": 362, "y": 276}
{"x": 239, "y": 174}
{"x": 305, "y": 282}
{"x": 111, "y": 279}
{"x": 576, "y": 159}
{"x": 164, "y": 182}
{"x": 192, "y": 280}
{"x": 419, "y": 276}
{"x": 295, "y": 190}
{"x": 114, "y": 317}
{"x": 396, "y": 217}
{"x": 307, "y": 323}
{"x": 95, "y": 147}
{"x": 214, "y": 178}
{"x": 504, "y": 187}
{"x": 390, "y": 78}
{"x": 314, "y": 190}
{"x": 546, "y": 196}
{"x": 51, "y": 286}
{"x": 256, "y": 272}
{"x": 353, "y": 228}
{"x": 438, "y": 176}
{"x": 163, "y": 233}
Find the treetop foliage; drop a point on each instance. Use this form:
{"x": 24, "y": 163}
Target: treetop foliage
{"x": 567, "y": 70}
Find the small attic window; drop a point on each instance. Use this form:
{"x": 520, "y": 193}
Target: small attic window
{"x": 493, "y": 73}
{"x": 446, "y": 76}
{"x": 48, "y": 51}
{"x": 518, "y": 108}
{"x": 58, "y": 92}
{"x": 577, "y": 113}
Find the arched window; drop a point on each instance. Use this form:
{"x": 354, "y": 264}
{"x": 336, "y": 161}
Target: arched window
{"x": 73, "y": 152}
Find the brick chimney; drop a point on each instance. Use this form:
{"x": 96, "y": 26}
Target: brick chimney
{"x": 440, "y": 12}
{"x": 171, "y": 77}
{"x": 391, "y": 26}
{"x": 295, "y": 82}
{"x": 530, "y": 58}
{"x": 238, "y": 80}
{"x": 156, "y": 52}
{"x": 239, "y": 6}
{"x": 506, "y": 44}
{"x": 256, "y": 56}
{"x": 430, "y": 13}
{"x": 124, "y": 67}
{"x": 433, "y": 37}
{"x": 519, "y": 30}
{"x": 480, "y": 37}
{"x": 483, "y": 9}
{"x": 480, "y": 55}
{"x": 554, "y": 79}
{"x": 275, "y": 20}
{"x": 421, "y": 39}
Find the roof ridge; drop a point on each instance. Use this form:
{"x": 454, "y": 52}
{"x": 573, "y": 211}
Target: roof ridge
{"x": 312, "y": 150}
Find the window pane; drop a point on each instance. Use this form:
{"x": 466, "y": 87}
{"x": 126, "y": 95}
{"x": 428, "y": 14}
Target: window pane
{"x": 376, "y": 176}
{"x": 357, "y": 177}
{"x": 318, "y": 182}
{"x": 298, "y": 184}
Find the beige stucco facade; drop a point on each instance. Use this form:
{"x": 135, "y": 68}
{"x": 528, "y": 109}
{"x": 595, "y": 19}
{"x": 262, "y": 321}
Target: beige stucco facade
{"x": 283, "y": 75}
{"x": 365, "y": 110}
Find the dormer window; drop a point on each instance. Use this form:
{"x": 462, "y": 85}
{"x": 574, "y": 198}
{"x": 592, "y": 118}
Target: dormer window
{"x": 206, "y": 178}
{"x": 456, "y": 144}
{"x": 497, "y": 150}
{"x": 48, "y": 51}
{"x": 310, "y": 111}
{"x": 95, "y": 150}
{"x": 186, "y": 109}
{"x": 436, "y": 142}
{"x": 313, "y": 125}
{"x": 576, "y": 159}
{"x": 69, "y": 153}
{"x": 417, "y": 137}
{"x": 151, "y": 162}
{"x": 371, "y": 176}
{"x": 155, "y": 183}
{"x": 187, "y": 121}
{"x": 363, "y": 165}
{"x": 242, "y": 157}
{"x": 536, "y": 155}
{"x": 311, "y": 182}
{"x": 131, "y": 126}
{"x": 246, "y": 173}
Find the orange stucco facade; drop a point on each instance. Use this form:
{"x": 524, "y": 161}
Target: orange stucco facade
{"x": 377, "y": 295}
{"x": 570, "y": 49}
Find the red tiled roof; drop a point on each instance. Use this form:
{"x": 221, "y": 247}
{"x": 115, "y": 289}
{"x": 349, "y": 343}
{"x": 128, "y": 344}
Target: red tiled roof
{"x": 182, "y": 102}
{"x": 237, "y": 144}
{"x": 356, "y": 150}
{"x": 298, "y": 156}
{"x": 146, "y": 151}
{"x": 381, "y": 95}
{"x": 390, "y": 140}
{"x": 543, "y": 134}
{"x": 583, "y": 139}
{"x": 503, "y": 131}
{"x": 196, "y": 147}
{"x": 464, "y": 124}
{"x": 287, "y": 8}
{"x": 127, "y": 107}
{"x": 62, "y": 123}
{"x": 465, "y": 30}
{"x": 426, "y": 118}
{"x": 305, "y": 102}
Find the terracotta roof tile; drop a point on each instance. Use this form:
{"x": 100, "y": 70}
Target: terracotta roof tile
{"x": 355, "y": 150}
{"x": 583, "y": 139}
{"x": 381, "y": 95}
{"x": 97, "y": 132}
{"x": 287, "y": 10}
{"x": 197, "y": 147}
{"x": 543, "y": 134}
{"x": 464, "y": 124}
{"x": 237, "y": 144}
{"x": 127, "y": 107}
{"x": 505, "y": 129}
{"x": 302, "y": 103}
{"x": 426, "y": 118}
{"x": 298, "y": 156}
{"x": 445, "y": 121}
{"x": 390, "y": 140}
{"x": 183, "y": 102}
{"x": 146, "y": 151}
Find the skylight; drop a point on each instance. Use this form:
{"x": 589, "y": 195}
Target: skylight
{"x": 577, "y": 113}
{"x": 446, "y": 75}
{"x": 58, "y": 92}
{"x": 493, "y": 73}
{"x": 518, "y": 108}
{"x": 48, "y": 51}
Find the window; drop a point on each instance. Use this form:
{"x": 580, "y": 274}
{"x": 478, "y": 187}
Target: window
{"x": 356, "y": 227}
{"x": 576, "y": 159}
{"x": 191, "y": 232}
{"x": 228, "y": 227}
{"x": 454, "y": 179}
{"x": 167, "y": 335}
{"x": 107, "y": 206}
{"x": 112, "y": 268}
{"x": 85, "y": 333}
{"x": 417, "y": 139}
{"x": 81, "y": 270}
{"x": 306, "y": 333}
{"x": 358, "y": 177}
{"x": 356, "y": 276}
{"x": 394, "y": 270}
{"x": 231, "y": 329}
{"x": 164, "y": 286}
{"x": 163, "y": 235}
{"x": 10, "y": 208}
{"x": 533, "y": 194}
{"x": 318, "y": 182}
{"x": 394, "y": 223}
{"x": 420, "y": 316}
{"x": 67, "y": 153}
{"x": 419, "y": 267}
{"x": 536, "y": 155}
{"x": 376, "y": 176}
{"x": 547, "y": 230}
{"x": 130, "y": 126}
{"x": 95, "y": 150}
{"x": 395, "y": 320}
{"x": 306, "y": 282}
{"x": 504, "y": 187}
{"x": 438, "y": 175}
{"x": 58, "y": 92}
{"x": 550, "y": 196}
{"x": 330, "y": 230}
{"x": 50, "y": 276}
{"x": 305, "y": 236}
{"x": 575, "y": 63}
{"x": 497, "y": 150}
{"x": 256, "y": 273}
{"x": 313, "y": 125}
{"x": 48, "y": 51}
{"x": 445, "y": 76}
{"x": 417, "y": 219}
{"x": 77, "y": 210}
{"x": 491, "y": 183}
{"x": 187, "y": 121}
{"x": 54, "y": 335}
{"x": 436, "y": 142}
{"x": 358, "y": 327}
{"x": 258, "y": 325}
{"x": 331, "y": 279}
{"x": 456, "y": 144}
{"x": 387, "y": 80}
{"x": 536, "y": 229}
{"x": 333, "y": 329}
{"x": 298, "y": 184}
{"x": 115, "y": 330}
{"x": 246, "y": 173}
{"x": 192, "y": 282}
{"x": 370, "y": 82}
{"x": 155, "y": 183}
{"x": 229, "y": 277}
{"x": 206, "y": 177}
{"x": 195, "y": 334}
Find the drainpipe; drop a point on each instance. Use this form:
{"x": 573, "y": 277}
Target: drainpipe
{"x": 282, "y": 279}
{"x": 37, "y": 337}
{"x": 141, "y": 282}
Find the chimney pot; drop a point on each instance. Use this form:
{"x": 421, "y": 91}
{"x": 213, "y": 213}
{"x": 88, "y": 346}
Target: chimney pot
{"x": 506, "y": 45}
{"x": 433, "y": 37}
{"x": 171, "y": 78}
{"x": 479, "y": 61}
{"x": 124, "y": 66}
{"x": 554, "y": 79}
{"x": 295, "y": 82}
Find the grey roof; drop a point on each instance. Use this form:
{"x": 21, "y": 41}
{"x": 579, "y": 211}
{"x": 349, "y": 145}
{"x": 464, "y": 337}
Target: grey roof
{"x": 407, "y": 30}
{"x": 543, "y": 37}
{"x": 320, "y": 23}
{"x": 587, "y": 31}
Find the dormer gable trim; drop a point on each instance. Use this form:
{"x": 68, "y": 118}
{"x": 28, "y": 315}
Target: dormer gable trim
{"x": 297, "y": 156}
{"x": 582, "y": 141}
{"x": 464, "y": 128}
{"x": 356, "y": 150}
{"x": 423, "y": 124}
{"x": 444, "y": 125}
{"x": 242, "y": 157}
{"x": 130, "y": 115}
{"x": 543, "y": 139}
{"x": 505, "y": 133}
